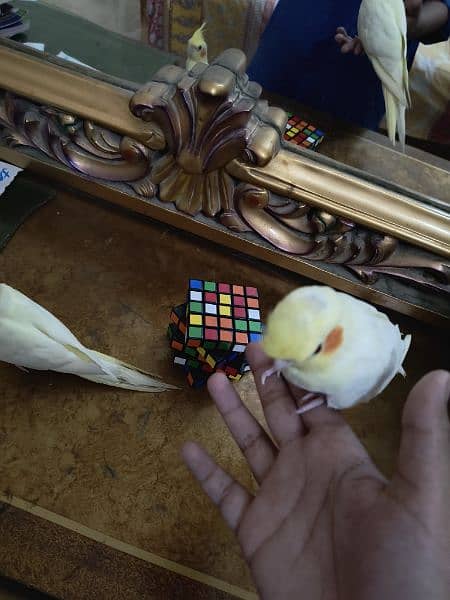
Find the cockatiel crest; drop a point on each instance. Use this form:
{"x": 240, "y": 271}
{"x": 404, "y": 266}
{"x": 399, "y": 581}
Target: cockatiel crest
{"x": 334, "y": 346}
{"x": 32, "y": 338}
{"x": 197, "y": 49}
{"x": 382, "y": 29}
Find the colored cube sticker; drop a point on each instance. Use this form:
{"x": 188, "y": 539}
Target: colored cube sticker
{"x": 178, "y": 317}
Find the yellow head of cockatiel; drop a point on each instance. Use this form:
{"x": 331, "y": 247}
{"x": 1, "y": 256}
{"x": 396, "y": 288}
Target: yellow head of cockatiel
{"x": 304, "y": 323}
{"x": 197, "y": 50}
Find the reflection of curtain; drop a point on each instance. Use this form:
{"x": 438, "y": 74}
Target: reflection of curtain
{"x": 230, "y": 23}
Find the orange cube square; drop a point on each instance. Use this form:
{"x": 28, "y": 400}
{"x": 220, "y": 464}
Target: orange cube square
{"x": 226, "y": 336}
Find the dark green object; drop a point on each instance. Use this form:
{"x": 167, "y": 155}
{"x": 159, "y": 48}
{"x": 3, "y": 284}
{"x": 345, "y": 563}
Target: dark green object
{"x": 20, "y": 199}
{"x": 93, "y": 45}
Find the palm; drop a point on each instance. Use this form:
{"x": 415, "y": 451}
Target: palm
{"x": 325, "y": 523}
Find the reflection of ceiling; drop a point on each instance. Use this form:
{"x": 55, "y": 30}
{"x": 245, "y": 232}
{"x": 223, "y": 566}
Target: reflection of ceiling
{"x": 121, "y": 17}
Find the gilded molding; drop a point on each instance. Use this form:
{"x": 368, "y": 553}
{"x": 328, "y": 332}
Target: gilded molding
{"x": 305, "y": 180}
{"x": 220, "y": 135}
{"x": 77, "y": 91}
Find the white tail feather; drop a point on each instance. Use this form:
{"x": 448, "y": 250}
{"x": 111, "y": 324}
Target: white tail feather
{"x": 123, "y": 375}
{"x": 395, "y": 118}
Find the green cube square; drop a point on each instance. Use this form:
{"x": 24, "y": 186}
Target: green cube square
{"x": 190, "y": 351}
{"x": 196, "y": 307}
{"x": 223, "y": 345}
{"x": 210, "y": 286}
{"x": 240, "y": 325}
{"x": 255, "y": 326}
{"x": 195, "y": 333}
{"x": 209, "y": 345}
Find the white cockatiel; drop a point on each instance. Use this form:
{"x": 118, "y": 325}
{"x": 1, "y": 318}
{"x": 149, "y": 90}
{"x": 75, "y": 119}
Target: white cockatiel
{"x": 382, "y": 30}
{"x": 340, "y": 349}
{"x": 32, "y": 338}
{"x": 197, "y": 49}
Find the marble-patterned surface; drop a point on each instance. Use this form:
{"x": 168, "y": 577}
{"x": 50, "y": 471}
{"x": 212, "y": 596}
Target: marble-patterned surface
{"x": 109, "y": 459}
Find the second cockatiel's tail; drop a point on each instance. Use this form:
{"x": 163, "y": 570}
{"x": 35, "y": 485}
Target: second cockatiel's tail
{"x": 341, "y": 350}
{"x": 32, "y": 338}
{"x": 382, "y": 29}
{"x": 197, "y": 49}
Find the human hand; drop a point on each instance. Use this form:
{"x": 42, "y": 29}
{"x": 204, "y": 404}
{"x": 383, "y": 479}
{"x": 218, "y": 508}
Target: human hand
{"x": 348, "y": 44}
{"x": 325, "y": 523}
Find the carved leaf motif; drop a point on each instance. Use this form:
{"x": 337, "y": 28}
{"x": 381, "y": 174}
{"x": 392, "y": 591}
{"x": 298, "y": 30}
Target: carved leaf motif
{"x": 209, "y": 116}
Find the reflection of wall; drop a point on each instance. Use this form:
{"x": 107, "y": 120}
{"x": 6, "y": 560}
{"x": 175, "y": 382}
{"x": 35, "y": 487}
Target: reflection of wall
{"x": 430, "y": 92}
{"x": 429, "y": 82}
{"x": 122, "y": 16}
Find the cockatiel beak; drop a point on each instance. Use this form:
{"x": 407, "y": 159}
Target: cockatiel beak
{"x": 304, "y": 321}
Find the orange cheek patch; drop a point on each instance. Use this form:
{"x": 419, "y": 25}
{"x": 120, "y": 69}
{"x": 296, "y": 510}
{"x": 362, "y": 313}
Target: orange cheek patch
{"x": 333, "y": 340}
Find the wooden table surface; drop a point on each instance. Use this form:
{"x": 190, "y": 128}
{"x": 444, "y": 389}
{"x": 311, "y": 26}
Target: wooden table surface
{"x": 95, "y": 500}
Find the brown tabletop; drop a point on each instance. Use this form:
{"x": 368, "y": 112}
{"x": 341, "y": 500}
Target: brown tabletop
{"x": 95, "y": 502}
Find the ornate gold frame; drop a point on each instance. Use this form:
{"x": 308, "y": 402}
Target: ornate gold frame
{"x": 206, "y": 142}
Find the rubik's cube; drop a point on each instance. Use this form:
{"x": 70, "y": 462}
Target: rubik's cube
{"x": 302, "y": 133}
{"x": 211, "y": 331}
{"x": 221, "y": 316}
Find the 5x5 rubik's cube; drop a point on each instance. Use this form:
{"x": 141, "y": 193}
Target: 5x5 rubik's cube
{"x": 210, "y": 332}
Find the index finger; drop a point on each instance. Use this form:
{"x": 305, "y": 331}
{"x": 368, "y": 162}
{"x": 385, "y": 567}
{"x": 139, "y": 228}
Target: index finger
{"x": 277, "y": 401}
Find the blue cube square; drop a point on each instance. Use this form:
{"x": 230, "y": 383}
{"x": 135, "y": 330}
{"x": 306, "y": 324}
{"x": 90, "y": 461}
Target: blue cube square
{"x": 195, "y": 284}
{"x": 255, "y": 337}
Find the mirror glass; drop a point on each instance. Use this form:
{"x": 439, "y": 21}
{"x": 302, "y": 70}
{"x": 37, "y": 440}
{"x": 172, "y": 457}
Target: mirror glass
{"x": 131, "y": 39}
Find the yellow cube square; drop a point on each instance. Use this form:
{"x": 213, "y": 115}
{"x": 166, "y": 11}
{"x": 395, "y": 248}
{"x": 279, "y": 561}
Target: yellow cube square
{"x": 211, "y": 362}
{"x": 196, "y": 320}
{"x": 235, "y": 378}
{"x": 225, "y": 311}
{"x": 225, "y": 299}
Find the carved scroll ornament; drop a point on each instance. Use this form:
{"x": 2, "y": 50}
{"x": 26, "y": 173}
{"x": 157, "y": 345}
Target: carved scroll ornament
{"x": 79, "y": 145}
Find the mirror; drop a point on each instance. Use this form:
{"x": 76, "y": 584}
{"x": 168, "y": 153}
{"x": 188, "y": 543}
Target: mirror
{"x": 131, "y": 40}
{"x": 85, "y": 102}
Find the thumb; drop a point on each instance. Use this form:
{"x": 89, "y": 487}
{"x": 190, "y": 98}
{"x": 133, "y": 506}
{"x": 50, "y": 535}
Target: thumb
{"x": 425, "y": 444}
